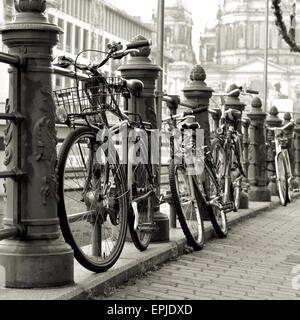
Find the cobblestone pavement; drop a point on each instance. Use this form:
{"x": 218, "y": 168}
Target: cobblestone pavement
{"x": 260, "y": 259}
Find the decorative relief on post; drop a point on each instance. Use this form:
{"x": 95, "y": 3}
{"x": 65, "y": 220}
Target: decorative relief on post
{"x": 49, "y": 188}
{"x": 44, "y": 134}
{"x": 8, "y": 134}
{"x": 45, "y": 145}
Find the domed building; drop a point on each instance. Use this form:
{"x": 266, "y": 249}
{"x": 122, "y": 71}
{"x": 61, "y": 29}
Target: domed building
{"x": 233, "y": 51}
{"x": 178, "y": 40}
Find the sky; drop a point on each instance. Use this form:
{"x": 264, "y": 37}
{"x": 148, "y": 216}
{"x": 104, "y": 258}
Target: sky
{"x": 203, "y": 12}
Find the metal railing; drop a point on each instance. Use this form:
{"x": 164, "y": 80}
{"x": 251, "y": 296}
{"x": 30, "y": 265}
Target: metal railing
{"x": 15, "y": 117}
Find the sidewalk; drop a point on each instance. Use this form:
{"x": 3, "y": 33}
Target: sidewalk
{"x": 131, "y": 263}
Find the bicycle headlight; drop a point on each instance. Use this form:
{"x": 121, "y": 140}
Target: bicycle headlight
{"x": 61, "y": 115}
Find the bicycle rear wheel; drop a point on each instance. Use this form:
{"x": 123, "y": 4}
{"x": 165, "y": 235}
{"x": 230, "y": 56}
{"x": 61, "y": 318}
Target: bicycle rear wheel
{"x": 282, "y": 178}
{"x": 216, "y": 211}
{"x": 188, "y": 204}
{"x": 92, "y": 205}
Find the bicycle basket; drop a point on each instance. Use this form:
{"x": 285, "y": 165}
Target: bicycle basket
{"x": 89, "y": 99}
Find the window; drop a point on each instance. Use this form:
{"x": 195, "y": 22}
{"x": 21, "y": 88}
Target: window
{"x": 69, "y": 37}
{"x": 77, "y": 39}
{"x": 60, "y": 45}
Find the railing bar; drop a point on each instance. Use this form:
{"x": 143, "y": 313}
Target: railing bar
{"x": 9, "y": 174}
{"x": 68, "y": 73}
{"x": 9, "y": 59}
{"x": 8, "y": 232}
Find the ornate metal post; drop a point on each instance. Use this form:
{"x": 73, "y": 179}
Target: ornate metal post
{"x": 289, "y": 134}
{"x": 234, "y": 102}
{"x": 140, "y": 67}
{"x": 173, "y": 110}
{"x": 198, "y": 93}
{"x": 272, "y": 121}
{"x": 246, "y": 142}
{"x": 257, "y": 154}
{"x": 39, "y": 258}
{"x": 297, "y": 150}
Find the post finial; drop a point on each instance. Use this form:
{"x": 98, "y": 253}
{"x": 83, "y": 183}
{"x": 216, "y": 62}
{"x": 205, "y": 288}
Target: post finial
{"x": 30, "y": 5}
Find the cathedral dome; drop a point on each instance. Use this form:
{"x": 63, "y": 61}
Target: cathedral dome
{"x": 179, "y": 4}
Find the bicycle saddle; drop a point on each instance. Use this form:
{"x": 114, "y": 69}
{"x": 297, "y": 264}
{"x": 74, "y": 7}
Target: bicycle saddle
{"x": 135, "y": 86}
{"x": 191, "y": 126}
{"x": 233, "y": 114}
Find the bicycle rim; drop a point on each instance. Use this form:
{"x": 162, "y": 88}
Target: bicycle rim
{"x": 92, "y": 205}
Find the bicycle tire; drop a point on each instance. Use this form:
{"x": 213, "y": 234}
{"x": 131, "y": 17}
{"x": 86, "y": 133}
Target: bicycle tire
{"x": 282, "y": 178}
{"x": 107, "y": 224}
{"x": 217, "y": 215}
{"x": 185, "y": 203}
{"x": 141, "y": 239}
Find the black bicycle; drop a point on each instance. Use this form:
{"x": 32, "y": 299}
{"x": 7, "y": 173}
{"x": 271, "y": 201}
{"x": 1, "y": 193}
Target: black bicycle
{"x": 196, "y": 193}
{"x": 100, "y": 191}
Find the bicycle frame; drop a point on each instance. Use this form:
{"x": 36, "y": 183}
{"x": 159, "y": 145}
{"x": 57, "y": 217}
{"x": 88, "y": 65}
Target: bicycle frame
{"x": 233, "y": 149}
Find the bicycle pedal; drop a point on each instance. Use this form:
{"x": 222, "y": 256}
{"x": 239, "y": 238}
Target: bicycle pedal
{"x": 136, "y": 214}
{"x": 228, "y": 207}
{"x": 147, "y": 227}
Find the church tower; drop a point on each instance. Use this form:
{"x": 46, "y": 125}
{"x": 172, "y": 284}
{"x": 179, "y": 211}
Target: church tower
{"x": 178, "y": 39}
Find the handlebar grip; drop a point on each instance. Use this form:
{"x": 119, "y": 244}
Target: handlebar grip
{"x": 195, "y": 111}
{"x": 252, "y": 91}
{"x": 139, "y": 44}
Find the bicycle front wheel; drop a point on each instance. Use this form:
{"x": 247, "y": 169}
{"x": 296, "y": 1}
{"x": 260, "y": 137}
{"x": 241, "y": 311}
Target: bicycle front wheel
{"x": 188, "y": 204}
{"x": 282, "y": 178}
{"x": 92, "y": 205}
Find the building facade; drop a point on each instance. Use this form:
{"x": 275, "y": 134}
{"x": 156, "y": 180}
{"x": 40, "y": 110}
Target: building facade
{"x": 233, "y": 51}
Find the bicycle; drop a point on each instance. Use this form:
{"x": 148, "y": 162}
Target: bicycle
{"x": 227, "y": 149}
{"x": 98, "y": 193}
{"x": 192, "y": 194}
{"x": 283, "y": 170}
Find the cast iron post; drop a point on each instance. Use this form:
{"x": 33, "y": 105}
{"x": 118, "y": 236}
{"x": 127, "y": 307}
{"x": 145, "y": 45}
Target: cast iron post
{"x": 234, "y": 102}
{"x": 173, "y": 106}
{"x": 246, "y": 142}
{"x": 272, "y": 121}
{"x": 40, "y": 258}
{"x": 257, "y": 154}
{"x": 140, "y": 67}
{"x": 297, "y": 150}
{"x": 198, "y": 93}
{"x": 289, "y": 134}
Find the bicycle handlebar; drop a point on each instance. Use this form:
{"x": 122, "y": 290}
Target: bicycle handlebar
{"x": 139, "y": 44}
{"x": 291, "y": 123}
